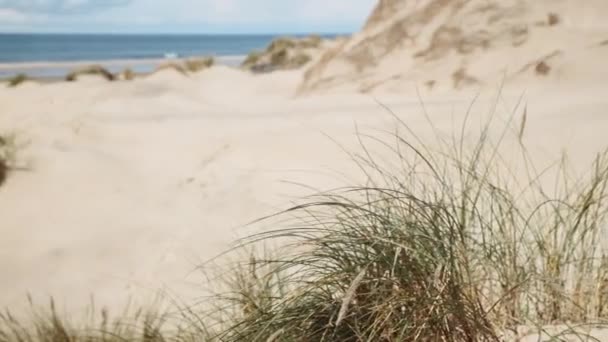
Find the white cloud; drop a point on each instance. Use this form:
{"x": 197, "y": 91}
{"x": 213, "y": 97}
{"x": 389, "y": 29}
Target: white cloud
{"x": 12, "y": 16}
{"x": 244, "y": 11}
{"x": 192, "y": 15}
{"x": 59, "y": 6}
{"x": 335, "y": 9}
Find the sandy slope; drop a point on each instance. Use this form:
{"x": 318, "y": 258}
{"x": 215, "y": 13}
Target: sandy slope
{"x": 446, "y": 44}
{"x": 131, "y": 184}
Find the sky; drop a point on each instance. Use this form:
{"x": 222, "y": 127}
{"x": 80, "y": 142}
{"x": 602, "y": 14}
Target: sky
{"x": 183, "y": 16}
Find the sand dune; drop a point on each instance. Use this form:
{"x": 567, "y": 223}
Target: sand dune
{"x": 129, "y": 185}
{"x": 442, "y": 44}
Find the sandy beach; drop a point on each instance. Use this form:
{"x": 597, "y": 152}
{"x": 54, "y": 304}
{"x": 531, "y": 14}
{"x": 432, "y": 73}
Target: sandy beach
{"x": 124, "y": 188}
{"x": 129, "y": 185}
{"x": 120, "y": 62}
{"x": 57, "y": 70}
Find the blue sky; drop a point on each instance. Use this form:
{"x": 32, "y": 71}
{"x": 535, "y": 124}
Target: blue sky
{"x": 183, "y": 16}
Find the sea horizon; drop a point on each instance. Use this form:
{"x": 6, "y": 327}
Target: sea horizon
{"x": 288, "y": 34}
{"x": 53, "y": 54}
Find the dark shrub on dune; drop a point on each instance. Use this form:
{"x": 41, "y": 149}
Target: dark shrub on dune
{"x": 3, "y": 171}
{"x": 191, "y": 65}
{"x": 172, "y": 66}
{"x": 198, "y": 64}
{"x": 128, "y": 75}
{"x": 279, "y": 57}
{"x": 17, "y": 80}
{"x": 90, "y": 70}
{"x": 283, "y": 53}
{"x": 299, "y": 60}
{"x": 252, "y": 59}
{"x": 7, "y": 156}
{"x": 282, "y": 44}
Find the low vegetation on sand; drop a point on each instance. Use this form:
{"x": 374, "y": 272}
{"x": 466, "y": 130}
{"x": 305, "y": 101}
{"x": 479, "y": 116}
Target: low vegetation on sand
{"x": 95, "y": 70}
{"x": 128, "y": 74}
{"x": 283, "y": 53}
{"x": 8, "y": 151}
{"x": 252, "y": 58}
{"x": 17, "y": 80}
{"x": 187, "y": 66}
{"x": 172, "y": 66}
{"x": 98, "y": 326}
{"x": 3, "y": 170}
{"x": 444, "y": 244}
{"x": 198, "y": 64}
{"x": 454, "y": 247}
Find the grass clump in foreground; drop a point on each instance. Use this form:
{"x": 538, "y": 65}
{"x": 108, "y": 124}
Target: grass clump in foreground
{"x": 443, "y": 244}
{"x": 454, "y": 247}
{"x": 96, "y": 326}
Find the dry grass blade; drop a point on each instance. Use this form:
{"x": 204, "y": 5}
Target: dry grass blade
{"x": 274, "y": 337}
{"x": 348, "y": 297}
{"x": 522, "y": 126}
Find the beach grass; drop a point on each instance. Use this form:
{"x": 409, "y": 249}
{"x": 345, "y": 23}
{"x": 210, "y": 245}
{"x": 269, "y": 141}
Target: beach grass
{"x": 4, "y": 169}
{"x": 128, "y": 74}
{"x": 279, "y": 57}
{"x": 311, "y": 42}
{"x": 282, "y": 43}
{"x": 8, "y": 155}
{"x": 172, "y": 66}
{"x": 453, "y": 247}
{"x": 198, "y": 64}
{"x": 96, "y": 70}
{"x": 300, "y": 60}
{"x": 252, "y": 58}
{"x": 50, "y": 325}
{"x": 188, "y": 66}
{"x": 445, "y": 242}
{"x": 283, "y": 53}
{"x": 17, "y": 80}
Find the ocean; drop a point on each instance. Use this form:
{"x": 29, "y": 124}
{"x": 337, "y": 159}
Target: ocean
{"x": 46, "y": 55}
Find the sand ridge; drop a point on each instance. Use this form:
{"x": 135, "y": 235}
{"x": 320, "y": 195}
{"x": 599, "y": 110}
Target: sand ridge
{"x": 157, "y": 174}
{"x": 453, "y": 44}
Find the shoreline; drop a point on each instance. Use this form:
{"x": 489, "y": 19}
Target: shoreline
{"x": 57, "y": 69}
{"x": 7, "y": 66}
